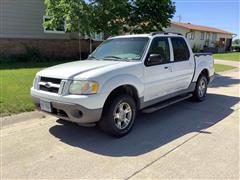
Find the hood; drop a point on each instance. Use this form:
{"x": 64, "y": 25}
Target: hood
{"x": 72, "y": 69}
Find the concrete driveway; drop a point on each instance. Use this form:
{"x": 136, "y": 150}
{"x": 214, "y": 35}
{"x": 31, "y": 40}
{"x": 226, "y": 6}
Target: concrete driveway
{"x": 186, "y": 140}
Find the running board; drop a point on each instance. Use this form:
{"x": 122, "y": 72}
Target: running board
{"x": 165, "y": 104}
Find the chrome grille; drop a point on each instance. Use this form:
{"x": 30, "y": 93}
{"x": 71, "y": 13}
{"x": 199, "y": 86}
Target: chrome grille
{"x": 49, "y": 84}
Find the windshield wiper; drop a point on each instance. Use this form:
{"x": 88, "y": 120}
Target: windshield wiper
{"x": 115, "y": 58}
{"x": 112, "y": 57}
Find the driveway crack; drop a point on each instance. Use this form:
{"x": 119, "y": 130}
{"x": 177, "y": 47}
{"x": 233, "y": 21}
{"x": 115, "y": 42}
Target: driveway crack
{"x": 154, "y": 161}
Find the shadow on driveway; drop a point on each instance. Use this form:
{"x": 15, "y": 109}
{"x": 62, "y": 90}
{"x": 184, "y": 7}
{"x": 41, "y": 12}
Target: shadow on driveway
{"x": 151, "y": 131}
{"x": 224, "y": 81}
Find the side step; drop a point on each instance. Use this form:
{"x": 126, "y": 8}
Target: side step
{"x": 166, "y": 103}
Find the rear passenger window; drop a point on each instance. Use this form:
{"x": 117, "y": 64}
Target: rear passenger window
{"x": 180, "y": 49}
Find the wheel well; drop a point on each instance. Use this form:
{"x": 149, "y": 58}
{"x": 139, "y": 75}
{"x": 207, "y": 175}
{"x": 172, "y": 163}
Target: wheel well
{"x": 125, "y": 89}
{"x": 206, "y": 73}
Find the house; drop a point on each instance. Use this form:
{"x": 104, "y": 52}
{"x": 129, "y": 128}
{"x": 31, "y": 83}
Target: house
{"x": 203, "y": 38}
{"x": 21, "y": 28}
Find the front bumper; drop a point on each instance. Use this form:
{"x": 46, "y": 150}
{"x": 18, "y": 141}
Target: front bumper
{"x": 72, "y": 112}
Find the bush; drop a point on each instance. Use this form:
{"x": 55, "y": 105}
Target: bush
{"x": 30, "y": 55}
{"x": 196, "y": 48}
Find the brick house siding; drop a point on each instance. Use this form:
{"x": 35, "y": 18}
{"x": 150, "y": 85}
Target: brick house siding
{"x": 57, "y": 48}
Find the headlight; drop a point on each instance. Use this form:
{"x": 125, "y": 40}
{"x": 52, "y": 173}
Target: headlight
{"x": 83, "y": 87}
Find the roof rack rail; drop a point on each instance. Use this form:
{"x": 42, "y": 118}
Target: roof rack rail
{"x": 155, "y": 33}
{"x": 162, "y": 32}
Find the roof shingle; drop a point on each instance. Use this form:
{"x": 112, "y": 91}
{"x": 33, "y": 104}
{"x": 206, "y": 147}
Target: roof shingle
{"x": 201, "y": 28}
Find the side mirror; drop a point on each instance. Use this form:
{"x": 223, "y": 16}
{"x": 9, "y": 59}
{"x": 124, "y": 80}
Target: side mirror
{"x": 154, "y": 59}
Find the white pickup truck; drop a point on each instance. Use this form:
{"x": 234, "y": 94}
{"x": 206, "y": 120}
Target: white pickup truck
{"x": 123, "y": 75}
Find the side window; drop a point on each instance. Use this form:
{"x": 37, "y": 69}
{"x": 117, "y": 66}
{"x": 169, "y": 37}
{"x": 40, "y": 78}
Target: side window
{"x": 214, "y": 37}
{"x": 192, "y": 35}
{"x": 202, "y": 35}
{"x": 160, "y": 46}
{"x": 180, "y": 49}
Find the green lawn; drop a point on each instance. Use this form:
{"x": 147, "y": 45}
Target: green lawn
{"x": 235, "y": 56}
{"x": 15, "y": 90}
{"x": 15, "y": 83}
{"x": 221, "y": 67}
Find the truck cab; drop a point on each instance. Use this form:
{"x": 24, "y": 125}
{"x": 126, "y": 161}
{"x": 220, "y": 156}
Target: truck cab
{"x": 125, "y": 74}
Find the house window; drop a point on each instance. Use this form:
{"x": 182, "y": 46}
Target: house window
{"x": 60, "y": 29}
{"x": 208, "y": 36}
{"x": 192, "y": 35}
{"x": 202, "y": 35}
{"x": 214, "y": 37}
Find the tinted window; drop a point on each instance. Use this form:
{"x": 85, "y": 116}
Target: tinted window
{"x": 160, "y": 46}
{"x": 180, "y": 49}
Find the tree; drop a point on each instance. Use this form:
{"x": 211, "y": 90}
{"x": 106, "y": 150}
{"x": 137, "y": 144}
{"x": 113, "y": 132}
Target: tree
{"x": 88, "y": 17}
{"x": 75, "y": 13}
{"x": 149, "y": 16}
{"x": 110, "y": 16}
{"x": 236, "y": 42}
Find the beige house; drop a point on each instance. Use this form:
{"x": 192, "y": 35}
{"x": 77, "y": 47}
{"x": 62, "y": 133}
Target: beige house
{"x": 202, "y": 37}
{"x": 21, "y": 26}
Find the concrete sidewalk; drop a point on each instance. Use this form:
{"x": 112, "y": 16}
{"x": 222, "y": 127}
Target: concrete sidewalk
{"x": 186, "y": 140}
{"x": 227, "y": 62}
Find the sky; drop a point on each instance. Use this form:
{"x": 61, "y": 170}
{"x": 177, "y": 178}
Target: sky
{"x": 223, "y": 14}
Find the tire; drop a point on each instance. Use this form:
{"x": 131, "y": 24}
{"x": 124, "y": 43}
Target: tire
{"x": 115, "y": 120}
{"x": 200, "y": 91}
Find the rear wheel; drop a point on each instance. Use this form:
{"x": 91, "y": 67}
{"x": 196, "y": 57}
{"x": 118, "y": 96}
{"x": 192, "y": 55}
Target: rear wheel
{"x": 200, "y": 91}
{"x": 118, "y": 116}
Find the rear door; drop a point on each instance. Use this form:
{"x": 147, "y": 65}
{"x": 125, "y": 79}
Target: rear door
{"x": 158, "y": 78}
{"x": 183, "y": 66}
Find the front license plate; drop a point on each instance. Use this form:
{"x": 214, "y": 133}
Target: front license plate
{"x": 45, "y": 106}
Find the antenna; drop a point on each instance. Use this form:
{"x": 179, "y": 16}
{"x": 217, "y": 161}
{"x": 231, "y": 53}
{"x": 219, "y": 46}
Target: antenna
{"x": 179, "y": 17}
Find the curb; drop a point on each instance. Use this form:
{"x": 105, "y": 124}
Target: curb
{"x": 13, "y": 119}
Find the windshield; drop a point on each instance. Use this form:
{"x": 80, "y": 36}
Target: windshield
{"x": 121, "y": 49}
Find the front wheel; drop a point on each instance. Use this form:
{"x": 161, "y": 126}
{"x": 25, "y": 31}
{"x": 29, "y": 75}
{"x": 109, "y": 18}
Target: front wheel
{"x": 118, "y": 116}
{"x": 200, "y": 91}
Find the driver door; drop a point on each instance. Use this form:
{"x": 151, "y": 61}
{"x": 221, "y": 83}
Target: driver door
{"x": 158, "y": 77}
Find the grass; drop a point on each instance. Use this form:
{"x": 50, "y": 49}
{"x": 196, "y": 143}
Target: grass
{"x": 221, "y": 68}
{"x": 15, "y": 83}
{"x": 15, "y": 90}
{"x": 234, "y": 56}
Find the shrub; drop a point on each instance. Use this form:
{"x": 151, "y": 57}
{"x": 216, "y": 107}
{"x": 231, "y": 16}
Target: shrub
{"x": 33, "y": 55}
{"x": 196, "y": 48}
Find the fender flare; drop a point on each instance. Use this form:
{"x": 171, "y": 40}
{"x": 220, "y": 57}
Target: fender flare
{"x": 121, "y": 80}
{"x": 200, "y": 67}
